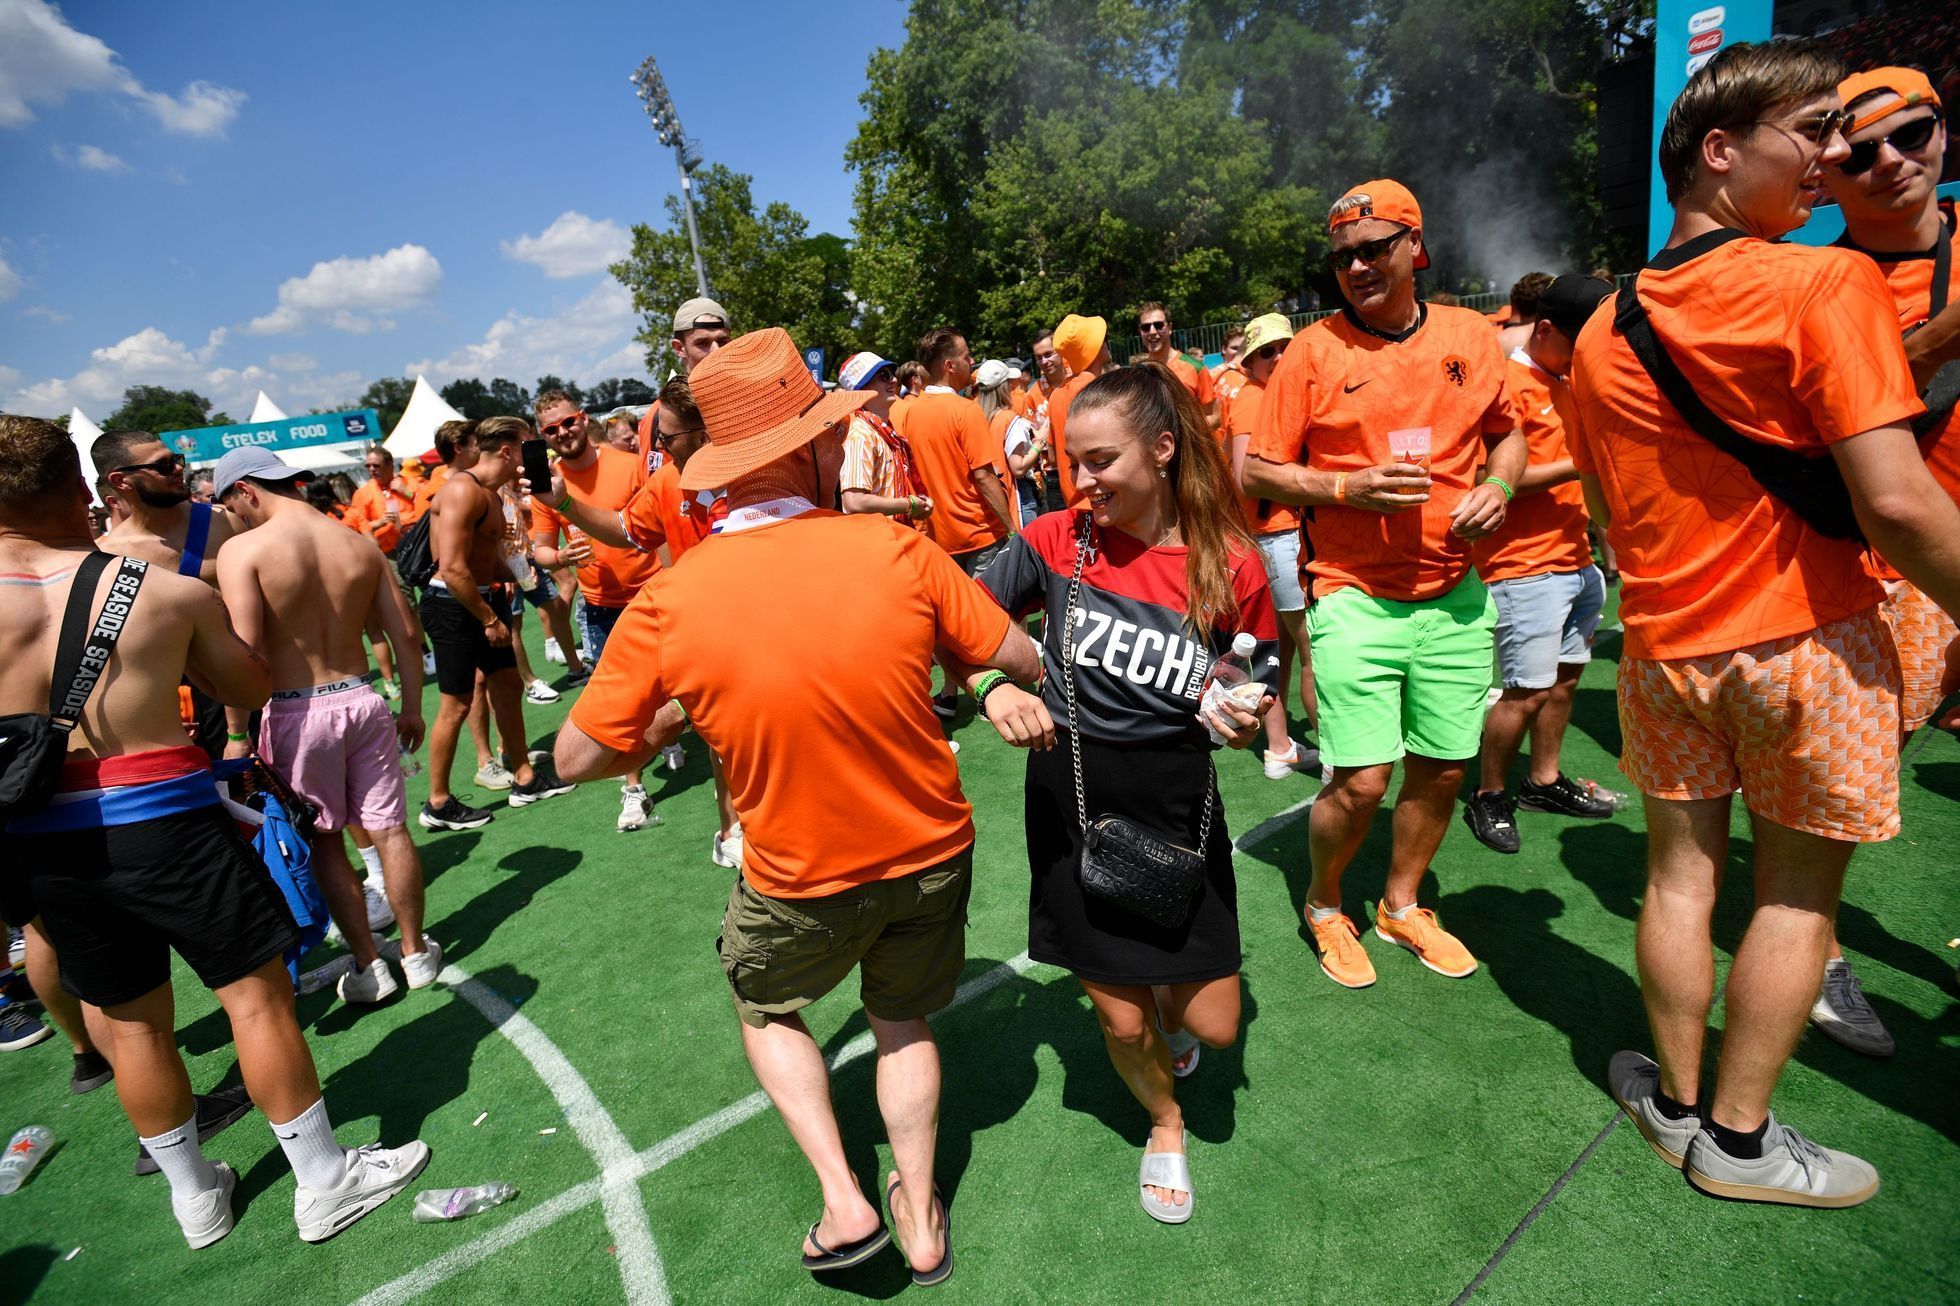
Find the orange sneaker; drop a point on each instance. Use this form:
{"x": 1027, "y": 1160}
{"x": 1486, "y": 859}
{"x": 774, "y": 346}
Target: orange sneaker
{"x": 1439, "y": 950}
{"x": 1342, "y": 957}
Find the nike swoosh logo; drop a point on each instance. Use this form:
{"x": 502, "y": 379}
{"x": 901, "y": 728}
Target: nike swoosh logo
{"x": 1350, "y": 389}
{"x": 1545, "y": 411}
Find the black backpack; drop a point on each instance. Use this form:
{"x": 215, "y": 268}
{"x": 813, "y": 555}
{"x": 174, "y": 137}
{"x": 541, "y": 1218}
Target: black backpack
{"x": 415, "y": 557}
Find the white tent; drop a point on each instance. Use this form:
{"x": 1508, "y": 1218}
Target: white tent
{"x": 323, "y": 457}
{"x": 83, "y": 433}
{"x": 266, "y": 411}
{"x": 415, "y": 434}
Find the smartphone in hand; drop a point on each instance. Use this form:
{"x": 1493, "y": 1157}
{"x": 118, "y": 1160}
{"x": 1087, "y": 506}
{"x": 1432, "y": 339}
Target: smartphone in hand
{"x": 537, "y": 466}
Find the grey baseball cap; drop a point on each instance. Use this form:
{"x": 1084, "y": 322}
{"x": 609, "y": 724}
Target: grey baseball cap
{"x": 699, "y": 313}
{"x": 254, "y": 461}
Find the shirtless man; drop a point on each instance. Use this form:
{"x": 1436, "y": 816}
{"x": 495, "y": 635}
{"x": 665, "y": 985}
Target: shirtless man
{"x": 301, "y": 591}
{"x": 469, "y": 624}
{"x": 136, "y": 857}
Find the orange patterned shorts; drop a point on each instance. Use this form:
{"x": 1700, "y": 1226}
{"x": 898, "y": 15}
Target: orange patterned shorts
{"x": 1807, "y": 726}
{"x": 1928, "y": 654}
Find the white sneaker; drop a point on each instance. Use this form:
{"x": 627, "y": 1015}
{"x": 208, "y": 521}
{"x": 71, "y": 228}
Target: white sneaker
{"x": 552, "y": 653}
{"x": 429, "y": 663}
{"x": 728, "y": 851}
{"x": 375, "y": 984}
{"x": 374, "y": 1174}
{"x": 585, "y": 655}
{"x": 207, "y": 1217}
{"x": 1298, "y": 757}
{"x": 421, "y": 968}
{"x": 539, "y": 692}
{"x": 495, "y": 775}
{"x": 635, "y": 808}
{"x": 380, "y": 914}
{"x": 674, "y": 756}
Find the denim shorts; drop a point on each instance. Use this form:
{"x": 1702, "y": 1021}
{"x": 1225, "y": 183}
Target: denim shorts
{"x": 597, "y": 623}
{"x": 1543, "y": 622}
{"x": 1281, "y": 550}
{"x": 543, "y": 591}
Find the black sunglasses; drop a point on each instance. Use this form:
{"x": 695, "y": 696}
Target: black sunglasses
{"x": 1273, "y": 350}
{"x": 1818, "y": 128}
{"x": 1153, "y": 326}
{"x": 1368, "y": 251}
{"x": 164, "y": 466}
{"x": 1909, "y": 139}
{"x": 663, "y": 439}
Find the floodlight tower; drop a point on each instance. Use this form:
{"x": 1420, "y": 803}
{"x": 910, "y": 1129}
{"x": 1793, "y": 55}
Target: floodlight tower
{"x": 651, "y": 87}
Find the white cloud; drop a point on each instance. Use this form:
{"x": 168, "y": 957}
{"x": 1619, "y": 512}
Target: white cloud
{"x": 90, "y": 158}
{"x": 9, "y": 281}
{"x": 43, "y": 61}
{"x": 344, "y": 293}
{"x": 591, "y": 340}
{"x": 572, "y": 246}
{"x": 9, "y": 375}
{"x": 150, "y": 357}
{"x": 54, "y": 317}
{"x": 294, "y": 362}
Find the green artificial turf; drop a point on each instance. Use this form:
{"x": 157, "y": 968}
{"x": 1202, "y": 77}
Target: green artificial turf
{"x": 1380, "y": 1145}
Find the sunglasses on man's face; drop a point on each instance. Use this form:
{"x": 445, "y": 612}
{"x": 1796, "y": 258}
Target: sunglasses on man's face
{"x": 1370, "y": 252}
{"x": 1266, "y": 353}
{"x": 1153, "y": 326}
{"x": 558, "y": 427}
{"x": 665, "y": 440}
{"x": 1817, "y": 128}
{"x": 164, "y": 466}
{"x": 1909, "y": 139}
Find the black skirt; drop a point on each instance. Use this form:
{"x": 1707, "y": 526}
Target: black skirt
{"x": 1161, "y": 786}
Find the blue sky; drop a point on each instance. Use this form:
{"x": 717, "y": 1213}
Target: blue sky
{"x": 303, "y": 197}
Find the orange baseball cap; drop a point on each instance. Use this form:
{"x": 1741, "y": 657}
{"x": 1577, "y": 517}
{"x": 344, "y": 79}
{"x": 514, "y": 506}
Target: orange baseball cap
{"x": 1907, "y": 87}
{"x": 1385, "y": 199}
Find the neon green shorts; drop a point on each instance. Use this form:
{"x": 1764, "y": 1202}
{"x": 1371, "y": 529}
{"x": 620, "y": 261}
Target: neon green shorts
{"x": 1394, "y": 678}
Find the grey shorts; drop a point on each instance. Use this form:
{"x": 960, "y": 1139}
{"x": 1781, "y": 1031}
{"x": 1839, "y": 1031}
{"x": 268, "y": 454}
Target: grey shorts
{"x": 1544, "y": 622}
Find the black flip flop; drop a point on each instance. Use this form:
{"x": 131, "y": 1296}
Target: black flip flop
{"x": 944, "y": 1270}
{"x": 845, "y": 1257}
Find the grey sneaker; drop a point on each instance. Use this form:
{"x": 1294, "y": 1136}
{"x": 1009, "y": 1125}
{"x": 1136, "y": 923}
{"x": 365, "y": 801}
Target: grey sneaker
{"x": 1634, "y": 1081}
{"x": 1843, "y": 1015}
{"x": 493, "y": 774}
{"x": 1792, "y": 1170}
{"x": 207, "y": 1217}
{"x": 374, "y": 1174}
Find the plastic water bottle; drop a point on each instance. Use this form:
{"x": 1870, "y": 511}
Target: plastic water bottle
{"x": 410, "y": 766}
{"x": 674, "y": 756}
{"x": 1230, "y": 680}
{"x": 439, "y": 1204}
{"x": 24, "y": 1151}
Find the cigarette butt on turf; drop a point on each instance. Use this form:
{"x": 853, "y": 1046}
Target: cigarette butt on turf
{"x": 547, "y": 1131}
{"x": 479, "y": 1120}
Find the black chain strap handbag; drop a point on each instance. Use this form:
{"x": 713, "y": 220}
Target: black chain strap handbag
{"x": 1125, "y": 863}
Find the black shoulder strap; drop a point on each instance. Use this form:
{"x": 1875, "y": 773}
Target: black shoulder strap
{"x": 82, "y": 654}
{"x": 1630, "y": 316}
{"x": 1942, "y": 265}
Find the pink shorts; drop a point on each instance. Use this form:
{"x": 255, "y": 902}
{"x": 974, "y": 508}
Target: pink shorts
{"x": 1806, "y": 726}
{"x": 338, "y": 751}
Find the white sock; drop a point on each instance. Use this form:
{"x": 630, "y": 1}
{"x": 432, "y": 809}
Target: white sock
{"x": 1399, "y": 915}
{"x": 371, "y": 858}
{"x": 182, "y": 1161}
{"x": 317, "y": 1160}
{"x": 1326, "y": 913}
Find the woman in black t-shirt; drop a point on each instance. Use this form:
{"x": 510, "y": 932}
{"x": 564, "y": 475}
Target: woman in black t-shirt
{"x": 1164, "y": 574}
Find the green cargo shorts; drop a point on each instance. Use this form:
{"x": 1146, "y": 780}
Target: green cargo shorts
{"x": 907, "y": 935}
{"x": 1395, "y": 678}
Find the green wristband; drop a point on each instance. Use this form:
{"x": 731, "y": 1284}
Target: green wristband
{"x": 564, "y": 503}
{"x": 1502, "y": 484}
{"x": 988, "y": 684}
{"x": 237, "y": 739}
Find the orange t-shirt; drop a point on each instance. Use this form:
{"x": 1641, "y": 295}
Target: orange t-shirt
{"x": 1910, "y": 279}
{"x": 1791, "y": 346}
{"x": 1057, "y": 419}
{"x": 896, "y": 415}
{"x": 1545, "y": 530}
{"x": 1241, "y": 418}
{"x": 371, "y": 502}
{"x": 950, "y": 440}
{"x": 660, "y": 512}
{"x": 612, "y": 576}
{"x": 834, "y": 760}
{"x": 1228, "y": 381}
{"x": 1339, "y": 392}
{"x": 1196, "y": 377}
{"x": 425, "y": 493}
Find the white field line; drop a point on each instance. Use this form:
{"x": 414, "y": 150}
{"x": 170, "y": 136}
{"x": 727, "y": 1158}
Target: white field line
{"x": 675, "y": 1146}
{"x": 617, "y": 1187}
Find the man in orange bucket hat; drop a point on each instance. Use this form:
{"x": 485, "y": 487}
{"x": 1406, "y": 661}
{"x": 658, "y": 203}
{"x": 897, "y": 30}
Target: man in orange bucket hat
{"x": 859, "y": 842}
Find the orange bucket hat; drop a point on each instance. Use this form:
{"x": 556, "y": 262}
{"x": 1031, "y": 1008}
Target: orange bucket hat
{"x": 758, "y": 402}
{"x": 1079, "y": 339}
{"x": 1385, "y": 199}
{"x": 1908, "y": 86}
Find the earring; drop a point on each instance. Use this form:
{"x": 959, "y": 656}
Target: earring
{"x": 1163, "y": 473}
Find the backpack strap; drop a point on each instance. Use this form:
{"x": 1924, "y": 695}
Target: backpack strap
{"x": 82, "y": 655}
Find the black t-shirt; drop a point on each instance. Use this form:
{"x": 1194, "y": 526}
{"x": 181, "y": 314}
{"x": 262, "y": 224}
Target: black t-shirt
{"x": 1139, "y": 667}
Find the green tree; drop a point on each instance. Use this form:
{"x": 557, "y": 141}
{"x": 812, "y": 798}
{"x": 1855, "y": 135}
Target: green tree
{"x": 509, "y": 399}
{"x": 388, "y": 397}
{"x": 764, "y": 266}
{"x": 550, "y": 382}
{"x": 616, "y": 392}
{"x": 470, "y": 397}
{"x": 158, "y": 409}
